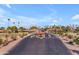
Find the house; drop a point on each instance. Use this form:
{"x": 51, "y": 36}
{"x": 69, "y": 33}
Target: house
{"x": 3, "y": 31}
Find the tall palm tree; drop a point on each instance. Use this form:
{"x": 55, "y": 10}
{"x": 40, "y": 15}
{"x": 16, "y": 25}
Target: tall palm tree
{"x": 8, "y": 22}
{"x": 8, "y": 19}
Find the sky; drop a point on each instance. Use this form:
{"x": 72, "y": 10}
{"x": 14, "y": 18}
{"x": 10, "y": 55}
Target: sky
{"x": 38, "y": 14}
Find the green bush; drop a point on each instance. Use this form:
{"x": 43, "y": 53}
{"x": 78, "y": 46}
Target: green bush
{"x": 76, "y": 40}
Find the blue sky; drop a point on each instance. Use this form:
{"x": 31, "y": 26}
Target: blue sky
{"x": 38, "y": 14}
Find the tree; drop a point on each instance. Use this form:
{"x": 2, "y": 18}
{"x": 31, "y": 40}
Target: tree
{"x": 8, "y": 21}
{"x": 2, "y": 28}
{"x": 33, "y": 27}
{"x": 45, "y": 28}
{"x": 14, "y": 29}
{"x": 9, "y": 29}
{"x": 66, "y": 29}
{"x": 77, "y": 29}
{"x": 22, "y": 28}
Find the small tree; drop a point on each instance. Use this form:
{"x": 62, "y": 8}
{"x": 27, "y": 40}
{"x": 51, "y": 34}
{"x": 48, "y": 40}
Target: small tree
{"x": 76, "y": 40}
{"x": 2, "y": 28}
{"x": 77, "y": 29}
{"x": 14, "y": 29}
{"x": 22, "y": 29}
{"x": 33, "y": 27}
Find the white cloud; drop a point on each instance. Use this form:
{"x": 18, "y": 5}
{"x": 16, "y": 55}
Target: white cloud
{"x": 8, "y": 5}
{"x": 76, "y": 17}
{"x": 13, "y": 20}
{"x": 55, "y": 21}
{"x": 53, "y": 11}
{"x": 2, "y": 13}
{"x": 76, "y": 23}
{"x": 28, "y": 21}
{"x": 1, "y": 16}
{"x": 2, "y": 23}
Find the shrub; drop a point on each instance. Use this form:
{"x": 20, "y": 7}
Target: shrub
{"x": 60, "y": 33}
{"x": 21, "y": 35}
{"x": 13, "y": 37}
{"x": 6, "y": 35}
{"x": 1, "y": 41}
{"x": 76, "y": 40}
{"x": 70, "y": 36}
{"x": 70, "y": 42}
{"x": 77, "y": 33}
{"x": 65, "y": 34}
{"x": 5, "y": 43}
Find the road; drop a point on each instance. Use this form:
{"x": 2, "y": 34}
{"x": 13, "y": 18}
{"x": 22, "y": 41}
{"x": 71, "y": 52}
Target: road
{"x": 32, "y": 45}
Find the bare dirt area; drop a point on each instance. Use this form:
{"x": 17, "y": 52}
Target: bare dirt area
{"x": 73, "y": 48}
{"x": 5, "y": 48}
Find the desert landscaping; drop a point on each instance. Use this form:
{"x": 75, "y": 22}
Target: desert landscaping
{"x": 69, "y": 35}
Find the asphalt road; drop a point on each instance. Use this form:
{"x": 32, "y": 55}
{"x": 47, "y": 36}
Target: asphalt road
{"x": 32, "y": 45}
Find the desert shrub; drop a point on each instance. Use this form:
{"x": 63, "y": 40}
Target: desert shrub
{"x": 77, "y": 33}
{"x": 75, "y": 36}
{"x": 5, "y": 43}
{"x": 14, "y": 36}
{"x": 6, "y": 36}
{"x": 65, "y": 34}
{"x": 25, "y": 33}
{"x": 60, "y": 33}
{"x": 76, "y": 40}
{"x": 70, "y": 36}
{"x": 70, "y": 42}
{"x": 1, "y": 41}
{"x": 21, "y": 35}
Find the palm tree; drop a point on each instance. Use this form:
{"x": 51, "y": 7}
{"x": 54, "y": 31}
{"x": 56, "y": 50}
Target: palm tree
{"x": 8, "y": 21}
{"x": 2, "y": 28}
{"x": 33, "y": 27}
{"x": 6, "y": 41}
